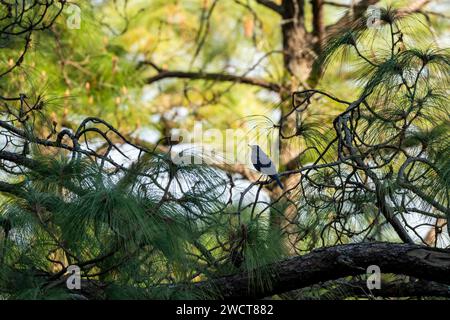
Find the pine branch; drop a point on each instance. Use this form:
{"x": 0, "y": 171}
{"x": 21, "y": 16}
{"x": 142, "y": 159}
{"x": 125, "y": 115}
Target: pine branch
{"x": 221, "y": 77}
{"x": 337, "y": 262}
{"x": 271, "y": 5}
{"x": 336, "y": 4}
{"x": 318, "y": 23}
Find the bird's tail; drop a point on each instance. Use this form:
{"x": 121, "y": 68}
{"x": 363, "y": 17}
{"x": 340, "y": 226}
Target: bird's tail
{"x": 277, "y": 179}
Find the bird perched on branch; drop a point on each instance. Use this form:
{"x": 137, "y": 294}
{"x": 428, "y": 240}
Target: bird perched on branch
{"x": 264, "y": 164}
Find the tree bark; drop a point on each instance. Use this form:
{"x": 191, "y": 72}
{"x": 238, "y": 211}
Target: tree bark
{"x": 429, "y": 269}
{"x": 318, "y": 24}
{"x": 403, "y": 287}
{"x": 298, "y": 57}
{"x": 333, "y": 263}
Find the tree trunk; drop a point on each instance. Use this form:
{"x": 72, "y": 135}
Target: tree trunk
{"x": 298, "y": 53}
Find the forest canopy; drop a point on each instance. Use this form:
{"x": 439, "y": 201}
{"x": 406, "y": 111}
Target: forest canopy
{"x": 125, "y": 128}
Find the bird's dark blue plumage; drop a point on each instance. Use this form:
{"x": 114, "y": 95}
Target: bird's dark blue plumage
{"x": 264, "y": 164}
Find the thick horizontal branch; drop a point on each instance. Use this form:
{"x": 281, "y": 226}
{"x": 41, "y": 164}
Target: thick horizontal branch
{"x": 13, "y": 189}
{"x": 166, "y": 74}
{"x": 336, "y": 262}
{"x": 401, "y": 287}
{"x": 19, "y": 159}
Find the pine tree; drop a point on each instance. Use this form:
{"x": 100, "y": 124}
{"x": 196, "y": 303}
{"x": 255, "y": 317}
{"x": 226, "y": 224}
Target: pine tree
{"x": 157, "y": 228}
